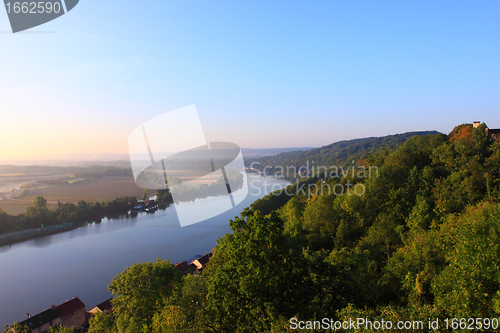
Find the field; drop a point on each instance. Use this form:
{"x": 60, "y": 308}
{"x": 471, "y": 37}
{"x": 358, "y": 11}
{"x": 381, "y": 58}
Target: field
{"x": 63, "y": 188}
{"x": 11, "y": 175}
{"x": 11, "y": 181}
{"x": 16, "y": 207}
{"x": 99, "y": 189}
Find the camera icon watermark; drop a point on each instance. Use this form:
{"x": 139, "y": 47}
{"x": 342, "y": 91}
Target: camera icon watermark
{"x": 170, "y": 152}
{"x": 25, "y": 15}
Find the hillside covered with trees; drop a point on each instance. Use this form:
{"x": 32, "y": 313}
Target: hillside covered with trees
{"x": 341, "y": 153}
{"x": 422, "y": 241}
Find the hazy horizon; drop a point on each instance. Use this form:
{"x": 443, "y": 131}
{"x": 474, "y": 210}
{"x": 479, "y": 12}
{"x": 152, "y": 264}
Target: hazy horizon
{"x": 89, "y": 157}
{"x": 115, "y": 156}
{"x": 281, "y": 74}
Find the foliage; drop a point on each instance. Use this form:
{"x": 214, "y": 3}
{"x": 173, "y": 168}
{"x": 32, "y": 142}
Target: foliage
{"x": 22, "y": 329}
{"x": 254, "y": 278}
{"x": 423, "y": 241}
{"x": 341, "y": 153}
{"x": 469, "y": 285}
{"x": 140, "y": 292}
{"x": 101, "y": 322}
{"x": 82, "y": 212}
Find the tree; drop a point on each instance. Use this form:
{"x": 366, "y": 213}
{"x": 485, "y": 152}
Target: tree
{"x": 4, "y": 222}
{"x": 61, "y": 329}
{"x": 469, "y": 286}
{"x": 39, "y": 202}
{"x": 101, "y": 322}
{"x": 492, "y": 174}
{"x": 23, "y": 329}
{"x": 254, "y": 277}
{"x": 186, "y": 310}
{"x": 16, "y": 328}
{"x": 39, "y": 213}
{"x": 141, "y": 291}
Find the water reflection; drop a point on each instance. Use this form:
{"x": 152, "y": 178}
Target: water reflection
{"x": 82, "y": 261}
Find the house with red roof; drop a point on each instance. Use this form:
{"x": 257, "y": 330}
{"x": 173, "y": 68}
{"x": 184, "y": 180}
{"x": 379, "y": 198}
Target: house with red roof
{"x": 72, "y": 313}
{"x": 186, "y": 268}
{"x": 41, "y": 322}
{"x": 201, "y": 262}
{"x": 104, "y": 307}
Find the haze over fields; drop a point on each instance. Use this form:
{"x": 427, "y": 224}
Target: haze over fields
{"x": 74, "y": 179}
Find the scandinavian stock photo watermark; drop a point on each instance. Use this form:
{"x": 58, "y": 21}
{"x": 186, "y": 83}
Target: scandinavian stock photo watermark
{"x": 25, "y": 15}
{"x": 170, "y": 152}
{"x": 353, "y": 184}
{"x": 356, "y": 324}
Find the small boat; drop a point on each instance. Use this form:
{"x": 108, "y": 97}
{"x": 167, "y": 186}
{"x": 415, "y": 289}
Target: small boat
{"x": 139, "y": 207}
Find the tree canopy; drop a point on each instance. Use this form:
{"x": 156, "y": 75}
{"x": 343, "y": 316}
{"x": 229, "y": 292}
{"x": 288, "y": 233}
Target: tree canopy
{"x": 421, "y": 241}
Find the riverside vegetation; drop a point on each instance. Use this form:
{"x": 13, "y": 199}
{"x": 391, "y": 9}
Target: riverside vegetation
{"x": 422, "y": 242}
{"x": 83, "y": 212}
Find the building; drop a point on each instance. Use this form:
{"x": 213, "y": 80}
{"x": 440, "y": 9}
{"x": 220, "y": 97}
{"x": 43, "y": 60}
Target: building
{"x": 72, "y": 313}
{"x": 42, "y": 321}
{"x": 494, "y": 133}
{"x": 201, "y": 262}
{"x": 104, "y": 307}
{"x": 186, "y": 268}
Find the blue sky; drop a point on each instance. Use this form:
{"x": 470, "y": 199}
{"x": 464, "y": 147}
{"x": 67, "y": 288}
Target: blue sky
{"x": 262, "y": 74}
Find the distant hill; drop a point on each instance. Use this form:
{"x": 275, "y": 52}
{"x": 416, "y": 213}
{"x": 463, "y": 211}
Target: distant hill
{"x": 118, "y": 160}
{"x": 339, "y": 153}
{"x": 258, "y": 153}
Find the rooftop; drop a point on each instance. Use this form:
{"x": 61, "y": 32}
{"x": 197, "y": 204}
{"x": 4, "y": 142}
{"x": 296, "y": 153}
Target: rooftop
{"x": 41, "y": 318}
{"x": 70, "y": 306}
{"x": 105, "y": 306}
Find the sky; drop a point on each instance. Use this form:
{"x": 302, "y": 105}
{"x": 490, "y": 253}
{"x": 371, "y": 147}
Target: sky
{"x": 262, "y": 74}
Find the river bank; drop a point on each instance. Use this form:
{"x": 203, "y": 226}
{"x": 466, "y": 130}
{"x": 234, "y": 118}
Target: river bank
{"x": 83, "y": 260}
{"x": 24, "y": 235}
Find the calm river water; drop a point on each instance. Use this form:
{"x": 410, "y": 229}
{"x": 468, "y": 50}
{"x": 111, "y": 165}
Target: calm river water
{"x": 81, "y": 262}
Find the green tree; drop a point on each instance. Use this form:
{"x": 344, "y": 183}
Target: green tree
{"x": 254, "y": 277}
{"x": 470, "y": 284}
{"x": 101, "y": 322}
{"x": 141, "y": 291}
{"x": 61, "y": 329}
{"x": 492, "y": 174}
{"x": 5, "y": 223}
{"x": 39, "y": 202}
{"x": 16, "y": 328}
{"x": 38, "y": 213}
{"x": 186, "y": 310}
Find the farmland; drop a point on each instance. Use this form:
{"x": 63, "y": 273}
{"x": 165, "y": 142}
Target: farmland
{"x": 18, "y": 190}
{"x": 74, "y": 190}
{"x": 97, "y": 189}
{"x": 20, "y": 184}
{"x": 16, "y": 207}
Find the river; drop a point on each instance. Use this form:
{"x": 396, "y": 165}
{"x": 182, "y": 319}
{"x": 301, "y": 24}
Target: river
{"x": 50, "y": 270}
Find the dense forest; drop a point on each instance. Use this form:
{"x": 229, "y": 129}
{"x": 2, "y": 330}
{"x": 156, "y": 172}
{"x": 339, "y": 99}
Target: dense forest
{"x": 421, "y": 244}
{"x": 341, "y": 153}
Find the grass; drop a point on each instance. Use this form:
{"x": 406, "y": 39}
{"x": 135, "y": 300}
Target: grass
{"x": 74, "y": 180}
{"x": 23, "y": 194}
